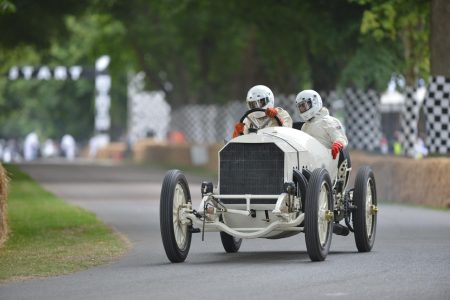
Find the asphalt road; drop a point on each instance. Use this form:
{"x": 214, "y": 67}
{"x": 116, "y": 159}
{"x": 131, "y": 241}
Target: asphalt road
{"x": 410, "y": 259}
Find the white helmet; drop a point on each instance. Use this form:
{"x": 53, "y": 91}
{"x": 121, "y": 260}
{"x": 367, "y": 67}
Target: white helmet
{"x": 260, "y": 96}
{"x": 308, "y": 104}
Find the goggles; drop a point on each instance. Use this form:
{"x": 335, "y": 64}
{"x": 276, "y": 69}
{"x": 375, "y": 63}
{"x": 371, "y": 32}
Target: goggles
{"x": 304, "y": 106}
{"x": 260, "y": 103}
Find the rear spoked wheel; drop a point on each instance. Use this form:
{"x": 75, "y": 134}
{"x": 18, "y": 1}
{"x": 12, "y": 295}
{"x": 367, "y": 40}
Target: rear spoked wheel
{"x": 176, "y": 236}
{"x": 365, "y": 212}
{"x": 319, "y": 215}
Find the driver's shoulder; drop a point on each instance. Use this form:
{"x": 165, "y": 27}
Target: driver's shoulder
{"x": 280, "y": 109}
{"x": 331, "y": 121}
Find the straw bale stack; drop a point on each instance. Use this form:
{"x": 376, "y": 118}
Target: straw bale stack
{"x": 3, "y": 199}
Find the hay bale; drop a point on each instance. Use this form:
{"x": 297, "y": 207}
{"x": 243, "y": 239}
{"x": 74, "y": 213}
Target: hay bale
{"x": 401, "y": 179}
{"x": 141, "y": 149}
{"x": 3, "y": 199}
{"x": 173, "y": 154}
{"x": 213, "y": 163}
{"x": 114, "y": 151}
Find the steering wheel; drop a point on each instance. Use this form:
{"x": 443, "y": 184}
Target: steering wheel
{"x": 248, "y": 112}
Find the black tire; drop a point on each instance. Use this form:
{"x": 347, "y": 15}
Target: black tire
{"x": 364, "y": 233}
{"x": 175, "y": 251}
{"x": 317, "y": 249}
{"x": 302, "y": 186}
{"x": 229, "y": 242}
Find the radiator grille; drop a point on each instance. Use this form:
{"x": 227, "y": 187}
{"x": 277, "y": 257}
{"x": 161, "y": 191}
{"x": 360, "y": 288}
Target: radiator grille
{"x": 251, "y": 169}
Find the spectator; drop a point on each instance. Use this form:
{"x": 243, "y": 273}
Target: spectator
{"x": 420, "y": 150}
{"x": 384, "y": 147}
{"x": 68, "y": 146}
{"x": 49, "y": 149}
{"x": 396, "y": 145}
{"x": 31, "y": 146}
{"x": 176, "y": 137}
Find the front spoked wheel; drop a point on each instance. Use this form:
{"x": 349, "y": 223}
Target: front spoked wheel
{"x": 175, "y": 233}
{"x": 365, "y": 213}
{"x": 319, "y": 215}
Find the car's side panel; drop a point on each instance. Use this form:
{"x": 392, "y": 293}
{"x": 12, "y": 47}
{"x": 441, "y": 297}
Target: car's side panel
{"x": 312, "y": 154}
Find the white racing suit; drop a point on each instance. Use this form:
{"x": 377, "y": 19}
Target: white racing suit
{"x": 325, "y": 128}
{"x": 260, "y": 117}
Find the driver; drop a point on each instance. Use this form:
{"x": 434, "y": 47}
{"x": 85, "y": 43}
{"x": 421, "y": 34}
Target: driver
{"x": 318, "y": 122}
{"x": 260, "y": 96}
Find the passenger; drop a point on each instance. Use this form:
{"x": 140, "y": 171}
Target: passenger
{"x": 260, "y": 96}
{"x": 318, "y": 122}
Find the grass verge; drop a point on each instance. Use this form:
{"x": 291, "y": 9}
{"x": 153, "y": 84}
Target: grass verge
{"x": 48, "y": 236}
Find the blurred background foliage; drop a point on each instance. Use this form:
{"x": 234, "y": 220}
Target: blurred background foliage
{"x": 200, "y": 51}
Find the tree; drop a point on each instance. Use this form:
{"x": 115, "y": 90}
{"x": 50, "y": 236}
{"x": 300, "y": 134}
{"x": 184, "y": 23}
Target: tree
{"x": 440, "y": 38}
{"x": 213, "y": 51}
{"x": 371, "y": 66}
{"x": 438, "y": 98}
{"x": 35, "y": 23}
{"x": 196, "y": 51}
{"x": 405, "y": 22}
{"x": 6, "y": 7}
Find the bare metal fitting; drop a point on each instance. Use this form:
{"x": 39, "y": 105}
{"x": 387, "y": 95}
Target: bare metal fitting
{"x": 329, "y": 215}
{"x": 373, "y": 209}
{"x": 210, "y": 213}
{"x": 210, "y": 210}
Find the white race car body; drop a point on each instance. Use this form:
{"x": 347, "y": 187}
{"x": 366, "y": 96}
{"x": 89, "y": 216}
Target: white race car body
{"x": 273, "y": 183}
{"x": 253, "y": 169}
{"x": 301, "y": 151}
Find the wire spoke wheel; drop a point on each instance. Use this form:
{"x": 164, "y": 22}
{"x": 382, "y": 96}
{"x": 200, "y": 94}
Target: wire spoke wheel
{"x": 180, "y": 229}
{"x": 318, "y": 215}
{"x": 175, "y": 234}
{"x": 365, "y": 213}
{"x": 369, "y": 215}
{"x": 322, "y": 219}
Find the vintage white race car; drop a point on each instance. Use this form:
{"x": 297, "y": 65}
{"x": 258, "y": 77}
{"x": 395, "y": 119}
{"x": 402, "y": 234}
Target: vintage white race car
{"x": 273, "y": 183}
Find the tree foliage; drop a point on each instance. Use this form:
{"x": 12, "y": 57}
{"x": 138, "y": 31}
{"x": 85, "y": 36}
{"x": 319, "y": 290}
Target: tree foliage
{"x": 6, "y": 7}
{"x": 440, "y": 38}
{"x": 371, "y": 66}
{"x": 405, "y": 22}
{"x": 201, "y": 51}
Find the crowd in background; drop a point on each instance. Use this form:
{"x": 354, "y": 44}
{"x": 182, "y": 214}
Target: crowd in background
{"x": 31, "y": 148}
